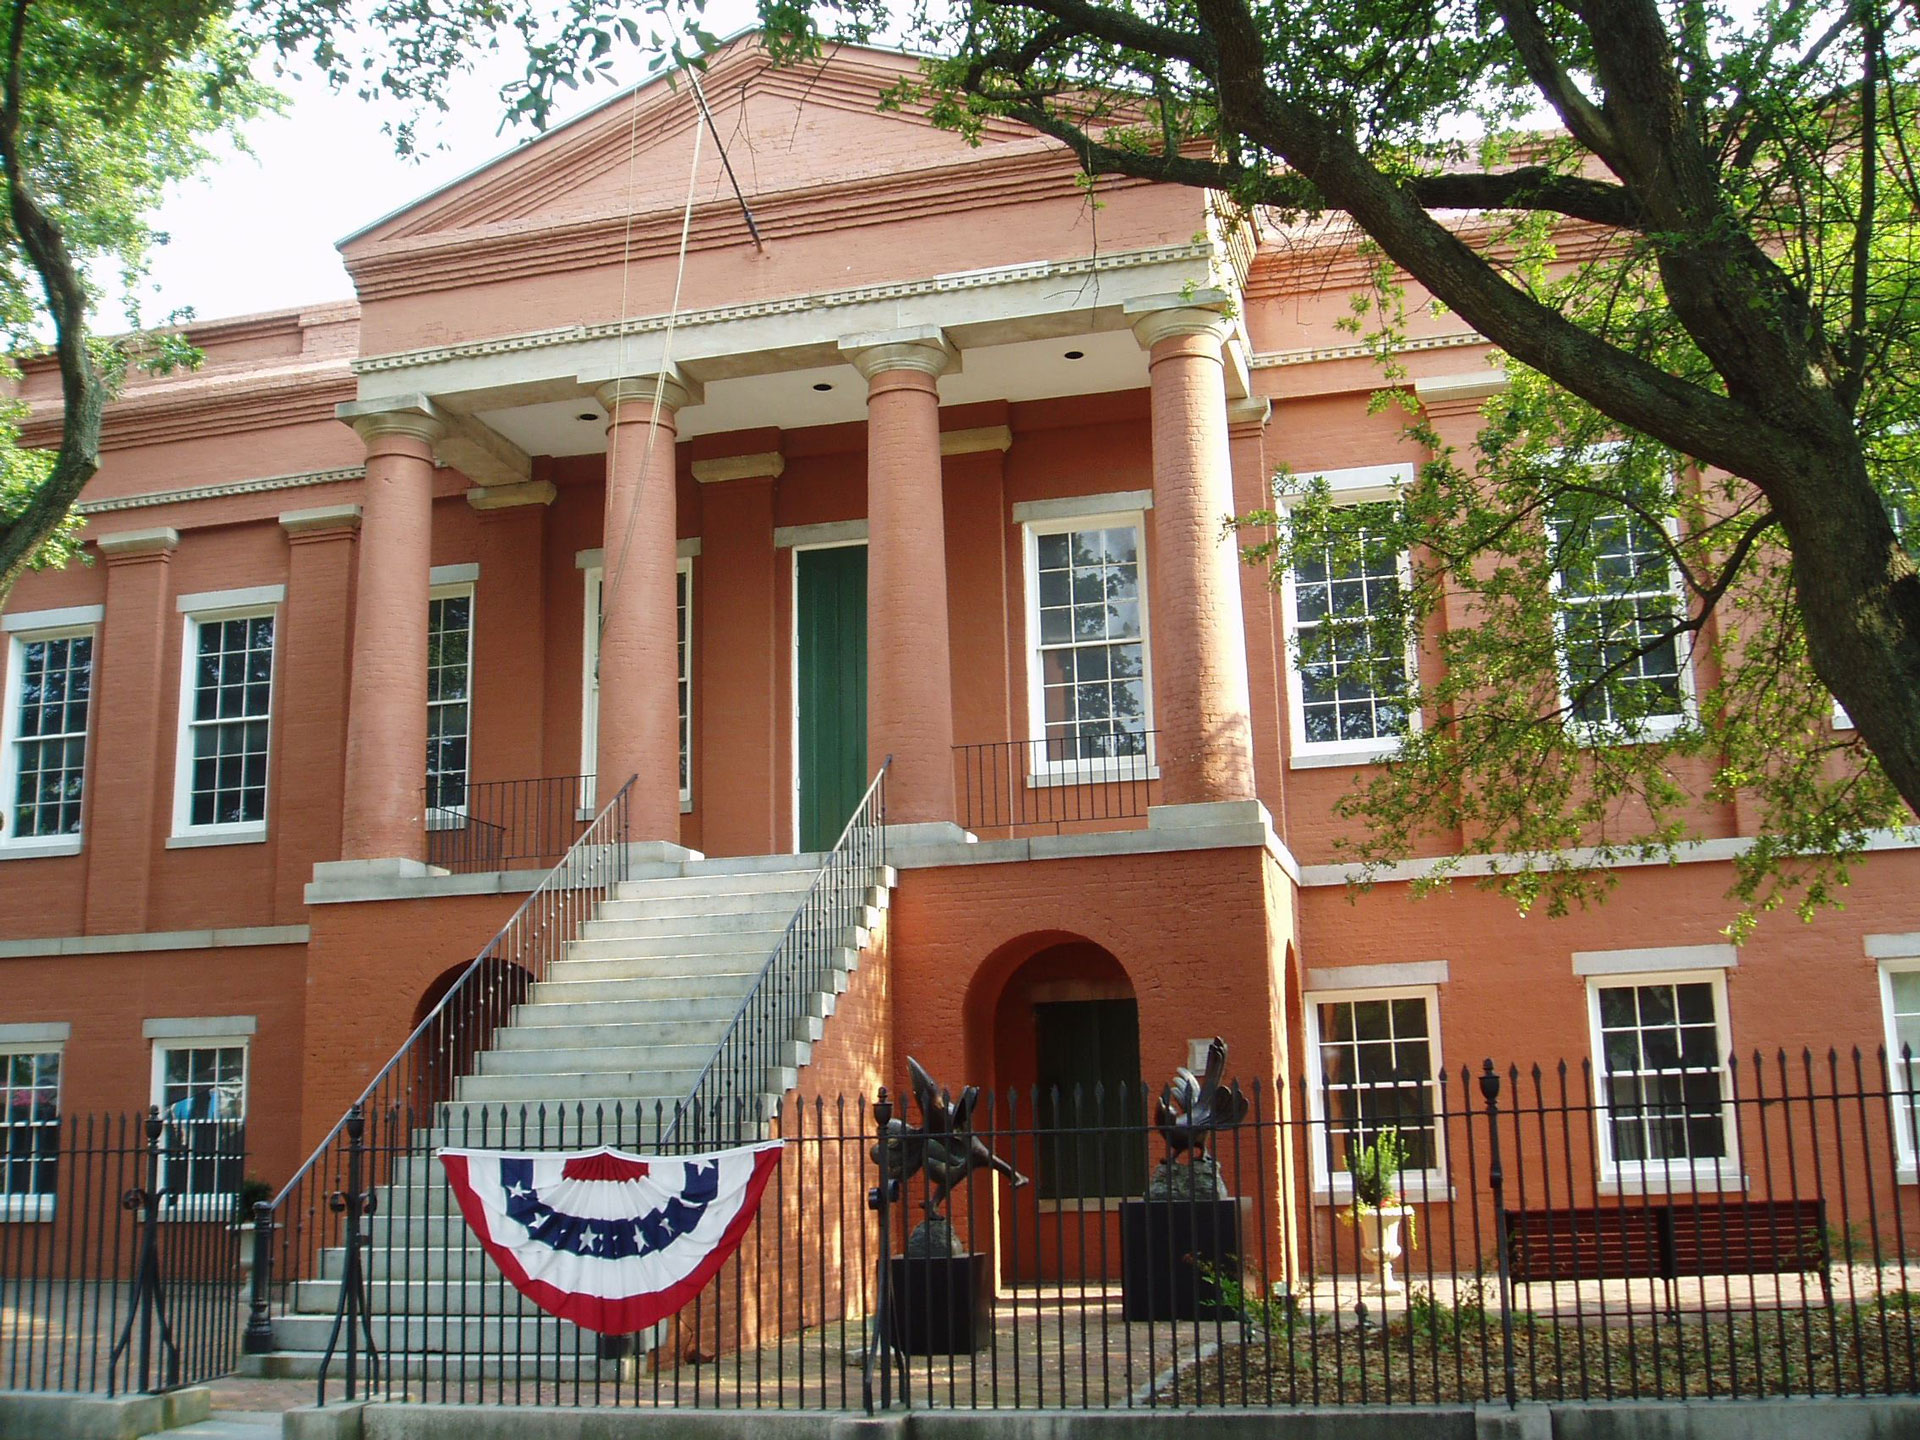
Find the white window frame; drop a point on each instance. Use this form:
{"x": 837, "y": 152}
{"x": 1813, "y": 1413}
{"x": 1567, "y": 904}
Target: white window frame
{"x": 1653, "y": 727}
{"x": 198, "y": 1205}
{"x": 1042, "y": 771}
{"x": 33, "y": 1208}
{"x": 594, "y": 576}
{"x": 1419, "y": 1186}
{"x": 1362, "y": 485}
{"x": 1656, "y": 1177}
{"x": 1908, "y": 1165}
{"x": 231, "y": 832}
{"x": 23, "y": 846}
{"x": 450, "y": 817}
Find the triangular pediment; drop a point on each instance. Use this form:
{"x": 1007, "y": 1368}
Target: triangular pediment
{"x": 783, "y": 128}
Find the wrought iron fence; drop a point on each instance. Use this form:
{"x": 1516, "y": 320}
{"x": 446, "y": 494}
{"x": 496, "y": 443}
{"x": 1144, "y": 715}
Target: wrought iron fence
{"x": 759, "y": 1057}
{"x": 1063, "y": 784}
{"x": 506, "y": 824}
{"x": 1511, "y": 1250}
{"x": 315, "y": 1210}
{"x": 121, "y": 1253}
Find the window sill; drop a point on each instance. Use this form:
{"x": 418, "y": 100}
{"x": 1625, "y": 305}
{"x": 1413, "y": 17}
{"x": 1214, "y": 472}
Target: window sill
{"x": 196, "y": 839}
{"x": 1091, "y": 774}
{"x": 1680, "y": 1182}
{"x": 198, "y": 1210}
{"x": 1307, "y": 758}
{"x": 38, "y": 846}
{"x": 441, "y": 817}
{"x": 26, "y": 1209}
{"x": 1654, "y": 732}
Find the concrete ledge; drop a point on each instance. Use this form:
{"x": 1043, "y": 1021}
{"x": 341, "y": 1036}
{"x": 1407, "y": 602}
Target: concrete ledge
{"x": 342, "y": 1420}
{"x": 141, "y": 940}
{"x": 58, "y": 1415}
{"x": 1827, "y": 1419}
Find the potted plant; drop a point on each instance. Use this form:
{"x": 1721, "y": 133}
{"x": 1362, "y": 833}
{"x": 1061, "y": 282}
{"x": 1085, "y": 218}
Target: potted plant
{"x": 1375, "y": 1170}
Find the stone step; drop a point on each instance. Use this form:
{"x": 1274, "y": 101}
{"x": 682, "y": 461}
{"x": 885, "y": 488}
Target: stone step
{"x": 667, "y": 907}
{"x": 710, "y": 985}
{"x": 756, "y": 944}
{"x": 792, "y": 883}
{"x": 672, "y": 967}
{"x": 664, "y": 1010}
{"x": 635, "y": 1123}
{"x": 588, "y": 1086}
{"x": 759, "y": 920}
{"x": 638, "y": 1033}
{"x": 806, "y": 861}
{"x": 622, "y": 1059}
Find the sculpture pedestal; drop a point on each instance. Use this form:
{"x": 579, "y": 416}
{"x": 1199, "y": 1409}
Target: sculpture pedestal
{"x": 1173, "y": 1255}
{"x": 940, "y": 1304}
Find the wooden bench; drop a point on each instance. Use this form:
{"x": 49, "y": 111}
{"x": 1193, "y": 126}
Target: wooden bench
{"x": 1668, "y": 1241}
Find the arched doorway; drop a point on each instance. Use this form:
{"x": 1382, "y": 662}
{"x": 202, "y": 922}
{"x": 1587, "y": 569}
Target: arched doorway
{"x": 1065, "y": 1056}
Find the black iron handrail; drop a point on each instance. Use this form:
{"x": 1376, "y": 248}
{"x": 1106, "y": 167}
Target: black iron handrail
{"x": 505, "y": 824}
{"x": 1057, "y": 783}
{"x": 727, "y": 1096}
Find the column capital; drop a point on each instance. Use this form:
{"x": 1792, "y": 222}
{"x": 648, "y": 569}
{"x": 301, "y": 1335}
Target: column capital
{"x": 1249, "y": 414}
{"x": 320, "y": 522}
{"x": 674, "y": 386}
{"x": 138, "y": 544}
{"x": 924, "y": 348}
{"x": 763, "y": 465}
{"x": 1162, "y": 317}
{"x": 414, "y": 417}
{"x": 1463, "y": 394}
{"x": 488, "y": 498}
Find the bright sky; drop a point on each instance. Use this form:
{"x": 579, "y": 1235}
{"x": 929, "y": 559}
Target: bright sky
{"x": 258, "y": 233}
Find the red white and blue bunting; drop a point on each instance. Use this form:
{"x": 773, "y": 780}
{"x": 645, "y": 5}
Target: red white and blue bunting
{"x": 611, "y": 1241}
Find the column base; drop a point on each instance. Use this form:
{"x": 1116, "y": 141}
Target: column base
{"x": 350, "y": 872}
{"x": 660, "y": 852}
{"x": 1212, "y": 815}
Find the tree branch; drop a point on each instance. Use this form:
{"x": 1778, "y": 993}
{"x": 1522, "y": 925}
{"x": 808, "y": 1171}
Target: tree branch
{"x": 1583, "y": 119}
{"x": 1533, "y": 187}
{"x": 80, "y": 384}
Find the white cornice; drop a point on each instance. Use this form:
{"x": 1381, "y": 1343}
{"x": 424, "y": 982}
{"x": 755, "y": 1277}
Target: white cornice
{"x": 219, "y": 492}
{"x": 791, "y": 305}
{"x": 1315, "y": 354}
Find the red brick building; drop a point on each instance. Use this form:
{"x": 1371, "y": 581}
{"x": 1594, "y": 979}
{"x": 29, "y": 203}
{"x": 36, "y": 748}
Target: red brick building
{"x": 936, "y": 473}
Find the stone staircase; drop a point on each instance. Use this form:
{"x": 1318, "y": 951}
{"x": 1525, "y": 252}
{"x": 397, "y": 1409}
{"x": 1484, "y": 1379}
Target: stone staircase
{"x": 606, "y": 1045}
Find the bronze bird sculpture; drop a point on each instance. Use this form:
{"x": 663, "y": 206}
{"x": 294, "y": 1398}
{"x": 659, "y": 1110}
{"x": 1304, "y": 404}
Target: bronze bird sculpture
{"x": 1192, "y": 1110}
{"x": 944, "y": 1146}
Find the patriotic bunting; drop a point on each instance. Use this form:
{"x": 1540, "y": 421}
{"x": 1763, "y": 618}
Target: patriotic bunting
{"x": 611, "y": 1241}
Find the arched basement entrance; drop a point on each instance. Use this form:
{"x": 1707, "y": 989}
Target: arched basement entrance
{"x": 455, "y": 1034}
{"x": 1063, "y": 1044}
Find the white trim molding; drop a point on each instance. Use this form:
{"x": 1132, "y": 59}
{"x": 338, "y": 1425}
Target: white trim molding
{"x": 294, "y": 481}
{"x": 52, "y": 619}
{"x": 832, "y": 532}
{"x": 250, "y": 597}
{"x": 1658, "y": 957}
{"x": 1407, "y": 975}
{"x": 41, "y": 1032}
{"x": 466, "y": 574}
{"x": 147, "y": 940}
{"x": 1892, "y": 947}
{"x": 1075, "y": 507}
{"x": 199, "y": 1027}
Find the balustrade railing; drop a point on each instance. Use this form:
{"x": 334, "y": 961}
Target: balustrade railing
{"x": 729, "y": 1102}
{"x": 506, "y": 824}
{"x": 1062, "y": 784}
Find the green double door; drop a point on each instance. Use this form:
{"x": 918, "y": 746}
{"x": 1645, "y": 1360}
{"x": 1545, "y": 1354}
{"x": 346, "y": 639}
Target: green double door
{"x": 830, "y": 622}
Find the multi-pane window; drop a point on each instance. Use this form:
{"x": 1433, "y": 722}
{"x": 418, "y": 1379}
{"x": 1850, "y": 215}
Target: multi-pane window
{"x": 1350, "y": 658}
{"x": 1089, "y": 624}
{"x": 1662, "y": 1078}
{"x": 449, "y": 697}
{"x": 229, "y": 704}
{"x": 1900, "y": 993}
{"x": 1619, "y": 603}
{"x": 1378, "y": 1065}
{"x": 47, "y": 735}
{"x": 202, "y": 1094}
{"x": 29, "y": 1130}
{"x": 683, "y": 653}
